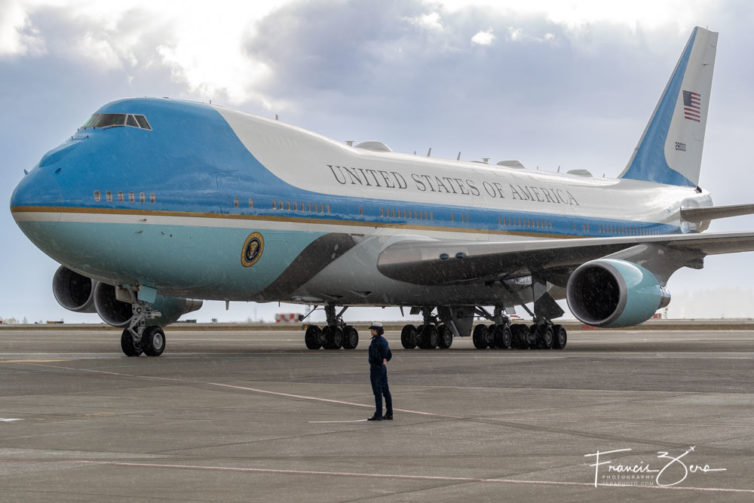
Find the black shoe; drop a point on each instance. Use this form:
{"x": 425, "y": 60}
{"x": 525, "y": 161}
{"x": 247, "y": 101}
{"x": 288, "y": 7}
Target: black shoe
{"x": 387, "y": 417}
{"x": 375, "y": 418}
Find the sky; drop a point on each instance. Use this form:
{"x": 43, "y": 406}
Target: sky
{"x": 554, "y": 84}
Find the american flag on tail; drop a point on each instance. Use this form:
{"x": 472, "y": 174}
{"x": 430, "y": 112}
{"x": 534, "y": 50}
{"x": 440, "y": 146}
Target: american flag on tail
{"x": 692, "y": 106}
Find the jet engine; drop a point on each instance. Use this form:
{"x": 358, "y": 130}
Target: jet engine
{"x": 118, "y": 314}
{"x": 614, "y": 293}
{"x": 73, "y": 291}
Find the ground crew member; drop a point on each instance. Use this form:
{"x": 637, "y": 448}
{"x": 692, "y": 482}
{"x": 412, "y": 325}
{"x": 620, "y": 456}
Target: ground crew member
{"x": 379, "y": 355}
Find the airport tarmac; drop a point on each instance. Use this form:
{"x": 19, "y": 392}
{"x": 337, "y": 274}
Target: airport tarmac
{"x": 253, "y": 416}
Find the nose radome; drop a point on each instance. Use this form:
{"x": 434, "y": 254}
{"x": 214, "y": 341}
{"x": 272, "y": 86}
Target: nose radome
{"x": 39, "y": 188}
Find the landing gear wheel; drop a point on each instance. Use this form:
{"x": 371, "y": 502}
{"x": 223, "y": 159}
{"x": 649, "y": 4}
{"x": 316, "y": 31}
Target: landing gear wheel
{"x": 531, "y": 337}
{"x": 544, "y": 337}
{"x": 350, "y": 337}
{"x": 520, "y": 335}
{"x": 428, "y": 337}
{"x": 479, "y": 337}
{"x": 491, "y": 336}
{"x": 333, "y": 337}
{"x": 503, "y": 336}
{"x": 127, "y": 344}
{"x": 313, "y": 337}
{"x": 444, "y": 336}
{"x": 409, "y": 337}
{"x": 153, "y": 341}
{"x": 559, "y": 337}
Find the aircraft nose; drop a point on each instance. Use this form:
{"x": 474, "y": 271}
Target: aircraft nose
{"x": 37, "y": 189}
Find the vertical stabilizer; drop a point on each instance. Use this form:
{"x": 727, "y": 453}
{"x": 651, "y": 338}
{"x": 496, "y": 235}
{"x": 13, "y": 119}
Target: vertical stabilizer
{"x": 670, "y": 150}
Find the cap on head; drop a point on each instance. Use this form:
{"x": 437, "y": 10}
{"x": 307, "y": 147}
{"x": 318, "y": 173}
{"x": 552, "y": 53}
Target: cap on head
{"x": 376, "y": 325}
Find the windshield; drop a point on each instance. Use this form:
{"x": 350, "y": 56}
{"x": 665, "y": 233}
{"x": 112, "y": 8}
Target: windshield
{"x": 117, "y": 120}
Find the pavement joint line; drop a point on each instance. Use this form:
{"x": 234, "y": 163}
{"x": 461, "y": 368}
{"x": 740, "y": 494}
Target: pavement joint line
{"x": 429, "y": 478}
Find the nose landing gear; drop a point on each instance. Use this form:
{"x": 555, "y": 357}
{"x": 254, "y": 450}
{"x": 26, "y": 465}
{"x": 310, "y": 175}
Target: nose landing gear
{"x": 139, "y": 338}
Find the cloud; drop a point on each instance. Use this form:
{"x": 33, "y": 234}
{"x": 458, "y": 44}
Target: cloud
{"x": 484, "y": 37}
{"x": 429, "y": 21}
{"x": 18, "y": 37}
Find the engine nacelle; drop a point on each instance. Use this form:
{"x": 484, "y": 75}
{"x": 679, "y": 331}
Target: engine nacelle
{"x": 119, "y": 314}
{"x": 614, "y": 293}
{"x": 73, "y": 291}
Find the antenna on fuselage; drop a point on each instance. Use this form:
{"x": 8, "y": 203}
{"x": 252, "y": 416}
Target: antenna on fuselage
{"x": 429, "y": 152}
{"x": 276, "y": 116}
{"x": 459, "y": 157}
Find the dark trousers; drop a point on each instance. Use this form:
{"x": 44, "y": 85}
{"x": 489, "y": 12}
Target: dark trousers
{"x": 378, "y": 376}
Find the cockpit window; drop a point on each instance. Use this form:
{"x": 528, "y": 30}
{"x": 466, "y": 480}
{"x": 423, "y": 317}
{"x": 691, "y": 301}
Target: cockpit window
{"x": 117, "y": 120}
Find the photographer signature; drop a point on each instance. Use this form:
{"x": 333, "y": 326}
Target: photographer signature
{"x": 673, "y": 472}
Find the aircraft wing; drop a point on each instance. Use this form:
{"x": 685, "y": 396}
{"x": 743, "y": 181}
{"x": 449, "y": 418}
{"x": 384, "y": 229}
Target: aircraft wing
{"x": 448, "y": 262}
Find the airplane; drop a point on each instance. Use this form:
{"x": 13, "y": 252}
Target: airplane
{"x": 154, "y": 204}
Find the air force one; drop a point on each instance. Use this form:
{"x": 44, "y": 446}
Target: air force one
{"x": 154, "y": 203}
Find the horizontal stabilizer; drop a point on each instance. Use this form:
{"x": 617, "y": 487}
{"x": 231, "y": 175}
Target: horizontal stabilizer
{"x": 711, "y": 213}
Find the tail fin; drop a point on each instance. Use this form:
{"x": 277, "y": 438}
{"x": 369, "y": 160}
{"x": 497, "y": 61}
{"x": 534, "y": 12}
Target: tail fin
{"x": 670, "y": 150}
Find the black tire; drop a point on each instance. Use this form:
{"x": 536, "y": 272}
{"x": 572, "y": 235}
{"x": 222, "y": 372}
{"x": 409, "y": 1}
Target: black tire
{"x": 127, "y": 344}
{"x": 520, "y": 336}
{"x": 153, "y": 341}
{"x": 544, "y": 337}
{"x": 479, "y": 337}
{"x": 409, "y": 337}
{"x": 434, "y": 338}
{"x": 559, "y": 337}
{"x": 333, "y": 337}
{"x": 491, "y": 336}
{"x": 503, "y": 337}
{"x": 444, "y": 336}
{"x": 313, "y": 337}
{"x": 350, "y": 337}
{"x": 531, "y": 337}
{"x": 428, "y": 337}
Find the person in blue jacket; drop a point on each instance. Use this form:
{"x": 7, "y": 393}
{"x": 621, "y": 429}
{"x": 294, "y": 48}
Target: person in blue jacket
{"x": 379, "y": 355}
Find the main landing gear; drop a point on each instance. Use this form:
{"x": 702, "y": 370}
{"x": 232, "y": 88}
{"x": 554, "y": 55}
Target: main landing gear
{"x": 335, "y": 335}
{"x": 501, "y": 334}
{"x": 429, "y": 335}
{"x": 139, "y": 338}
{"x": 540, "y": 335}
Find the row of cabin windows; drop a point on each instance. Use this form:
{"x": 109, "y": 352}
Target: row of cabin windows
{"x": 625, "y": 230}
{"x": 528, "y": 223}
{"x": 300, "y": 206}
{"x": 121, "y": 196}
{"x": 403, "y": 213}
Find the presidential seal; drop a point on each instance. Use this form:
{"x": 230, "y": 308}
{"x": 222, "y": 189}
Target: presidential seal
{"x": 252, "y": 249}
